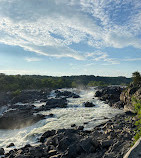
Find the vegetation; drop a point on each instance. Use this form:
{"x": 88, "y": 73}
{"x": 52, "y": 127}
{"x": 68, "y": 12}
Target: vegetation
{"x": 21, "y": 82}
{"x": 97, "y": 83}
{"x": 136, "y": 77}
{"x": 137, "y": 105}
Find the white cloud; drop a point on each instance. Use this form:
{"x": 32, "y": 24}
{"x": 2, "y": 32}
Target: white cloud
{"x": 101, "y": 56}
{"x": 32, "y": 59}
{"x": 132, "y": 59}
{"x": 49, "y": 27}
{"x": 15, "y": 72}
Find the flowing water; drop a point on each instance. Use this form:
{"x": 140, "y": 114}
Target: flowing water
{"x": 75, "y": 113}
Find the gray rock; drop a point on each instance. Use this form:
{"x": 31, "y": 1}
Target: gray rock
{"x": 46, "y": 135}
{"x": 89, "y": 104}
{"x": 2, "y": 151}
{"x": 135, "y": 151}
{"x": 10, "y": 145}
{"x": 106, "y": 143}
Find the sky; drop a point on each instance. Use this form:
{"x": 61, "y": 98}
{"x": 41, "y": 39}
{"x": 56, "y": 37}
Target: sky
{"x": 70, "y": 37}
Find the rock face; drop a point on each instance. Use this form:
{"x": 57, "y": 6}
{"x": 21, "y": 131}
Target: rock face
{"x": 113, "y": 142}
{"x": 111, "y": 95}
{"x": 127, "y": 94}
{"x": 15, "y": 119}
{"x": 30, "y": 96}
{"x": 135, "y": 151}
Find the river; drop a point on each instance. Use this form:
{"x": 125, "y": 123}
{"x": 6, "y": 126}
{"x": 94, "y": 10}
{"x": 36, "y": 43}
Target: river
{"x": 75, "y": 113}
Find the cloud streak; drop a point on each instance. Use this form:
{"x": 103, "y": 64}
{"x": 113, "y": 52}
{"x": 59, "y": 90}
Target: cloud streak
{"x": 32, "y": 59}
{"x": 50, "y": 27}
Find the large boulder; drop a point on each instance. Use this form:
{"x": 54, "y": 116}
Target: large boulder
{"x": 110, "y": 95}
{"x": 66, "y": 94}
{"x": 15, "y": 119}
{"x": 89, "y": 104}
{"x": 27, "y": 96}
{"x": 46, "y": 135}
{"x": 56, "y": 102}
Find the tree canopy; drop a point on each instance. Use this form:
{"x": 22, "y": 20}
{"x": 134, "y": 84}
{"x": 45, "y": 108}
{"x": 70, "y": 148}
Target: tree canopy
{"x": 136, "y": 77}
{"x": 21, "y": 82}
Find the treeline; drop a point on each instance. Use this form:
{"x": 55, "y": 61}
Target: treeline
{"x": 21, "y": 82}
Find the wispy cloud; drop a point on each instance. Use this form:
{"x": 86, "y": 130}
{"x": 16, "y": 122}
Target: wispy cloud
{"x": 32, "y": 59}
{"x": 132, "y": 59}
{"x": 50, "y": 27}
{"x": 103, "y": 57}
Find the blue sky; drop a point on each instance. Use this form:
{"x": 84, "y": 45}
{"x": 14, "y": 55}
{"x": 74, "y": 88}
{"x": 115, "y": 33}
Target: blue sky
{"x": 70, "y": 37}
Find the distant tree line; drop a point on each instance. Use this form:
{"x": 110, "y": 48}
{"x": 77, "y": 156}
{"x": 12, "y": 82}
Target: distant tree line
{"x": 22, "y": 82}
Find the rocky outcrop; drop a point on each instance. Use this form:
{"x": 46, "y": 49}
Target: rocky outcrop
{"x": 27, "y": 96}
{"x": 66, "y": 94}
{"x": 15, "y": 119}
{"x": 111, "y": 139}
{"x": 53, "y": 103}
{"x": 127, "y": 94}
{"x": 110, "y": 95}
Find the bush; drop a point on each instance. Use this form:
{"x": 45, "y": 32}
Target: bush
{"x": 16, "y": 93}
{"x": 137, "y": 105}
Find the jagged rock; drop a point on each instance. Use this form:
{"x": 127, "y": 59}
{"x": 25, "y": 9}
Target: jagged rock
{"x": 80, "y": 128}
{"x": 2, "y": 151}
{"x": 66, "y": 94}
{"x": 111, "y": 95}
{"x": 89, "y": 104}
{"x": 98, "y": 94}
{"x": 10, "y": 145}
{"x": 27, "y": 96}
{"x": 73, "y": 125}
{"x": 15, "y": 119}
{"x": 53, "y": 103}
{"x": 46, "y": 135}
{"x": 106, "y": 143}
{"x": 126, "y": 97}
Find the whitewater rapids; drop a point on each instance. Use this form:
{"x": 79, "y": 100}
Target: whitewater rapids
{"x": 75, "y": 113}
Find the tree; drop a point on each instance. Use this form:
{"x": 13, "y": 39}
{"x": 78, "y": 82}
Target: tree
{"x": 136, "y": 77}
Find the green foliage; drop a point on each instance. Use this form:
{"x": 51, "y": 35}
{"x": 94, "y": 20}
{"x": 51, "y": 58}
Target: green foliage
{"x": 137, "y": 105}
{"x": 96, "y": 83}
{"x": 136, "y": 77}
{"x": 19, "y": 82}
{"x": 16, "y": 93}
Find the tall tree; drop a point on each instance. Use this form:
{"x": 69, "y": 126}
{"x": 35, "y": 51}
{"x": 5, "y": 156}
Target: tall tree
{"x": 136, "y": 77}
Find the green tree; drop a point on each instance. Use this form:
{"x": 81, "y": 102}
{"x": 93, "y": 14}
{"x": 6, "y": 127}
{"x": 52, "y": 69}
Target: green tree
{"x": 136, "y": 77}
